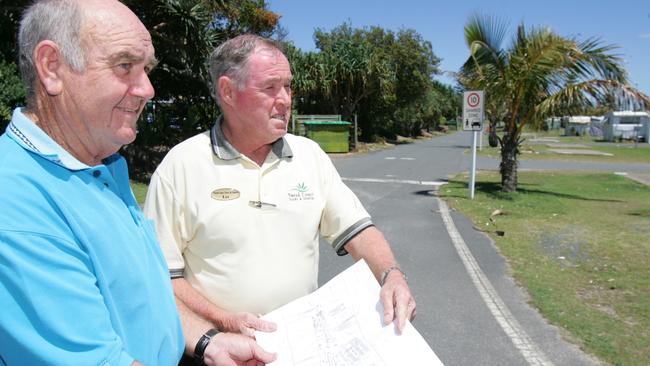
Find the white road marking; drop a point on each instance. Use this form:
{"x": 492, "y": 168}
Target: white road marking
{"x": 390, "y": 158}
{"x": 401, "y": 181}
{"x": 510, "y": 325}
{"x": 528, "y": 349}
{"x": 406, "y": 158}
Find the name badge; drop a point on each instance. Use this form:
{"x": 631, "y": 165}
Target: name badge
{"x": 225, "y": 194}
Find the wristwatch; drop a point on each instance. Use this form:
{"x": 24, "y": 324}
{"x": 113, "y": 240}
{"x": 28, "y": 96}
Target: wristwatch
{"x": 388, "y": 270}
{"x": 202, "y": 344}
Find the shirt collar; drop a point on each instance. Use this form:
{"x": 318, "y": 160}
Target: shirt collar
{"x": 27, "y": 134}
{"x": 225, "y": 151}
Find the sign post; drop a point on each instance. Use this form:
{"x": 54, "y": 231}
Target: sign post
{"x": 473, "y": 121}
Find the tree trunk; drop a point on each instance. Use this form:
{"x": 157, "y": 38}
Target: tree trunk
{"x": 508, "y": 167}
{"x": 493, "y": 139}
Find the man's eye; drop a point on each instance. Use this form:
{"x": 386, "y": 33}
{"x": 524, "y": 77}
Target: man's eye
{"x": 125, "y": 66}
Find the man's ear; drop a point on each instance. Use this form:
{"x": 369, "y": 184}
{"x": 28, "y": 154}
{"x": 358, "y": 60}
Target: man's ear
{"x": 226, "y": 89}
{"x": 48, "y": 62}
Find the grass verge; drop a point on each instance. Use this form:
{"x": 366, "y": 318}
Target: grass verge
{"x": 139, "y": 190}
{"x": 534, "y": 148}
{"x": 624, "y": 153}
{"x": 579, "y": 243}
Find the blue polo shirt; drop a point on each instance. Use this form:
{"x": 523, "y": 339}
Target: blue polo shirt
{"x": 82, "y": 278}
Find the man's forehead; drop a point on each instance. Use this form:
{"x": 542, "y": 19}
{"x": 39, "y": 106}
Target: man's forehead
{"x": 269, "y": 59}
{"x": 114, "y": 25}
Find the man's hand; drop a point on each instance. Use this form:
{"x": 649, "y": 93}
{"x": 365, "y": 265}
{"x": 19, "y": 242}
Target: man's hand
{"x": 398, "y": 302}
{"x": 247, "y": 324}
{"x": 227, "y": 349}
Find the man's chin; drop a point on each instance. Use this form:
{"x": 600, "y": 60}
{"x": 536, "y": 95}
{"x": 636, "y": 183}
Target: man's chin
{"x": 127, "y": 136}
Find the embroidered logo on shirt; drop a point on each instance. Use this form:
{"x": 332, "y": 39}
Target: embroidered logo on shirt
{"x": 300, "y": 193}
{"x": 225, "y": 194}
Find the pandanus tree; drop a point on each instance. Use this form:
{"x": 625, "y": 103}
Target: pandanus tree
{"x": 539, "y": 74}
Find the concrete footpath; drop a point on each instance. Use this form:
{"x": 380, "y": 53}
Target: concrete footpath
{"x": 640, "y": 177}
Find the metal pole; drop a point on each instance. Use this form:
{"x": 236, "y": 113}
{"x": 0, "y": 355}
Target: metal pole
{"x": 356, "y": 134}
{"x": 472, "y": 177}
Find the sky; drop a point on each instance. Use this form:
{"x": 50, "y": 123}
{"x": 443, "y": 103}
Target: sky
{"x": 625, "y": 23}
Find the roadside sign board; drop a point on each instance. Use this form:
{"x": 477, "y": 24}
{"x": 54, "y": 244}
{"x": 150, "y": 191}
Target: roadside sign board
{"x": 473, "y": 110}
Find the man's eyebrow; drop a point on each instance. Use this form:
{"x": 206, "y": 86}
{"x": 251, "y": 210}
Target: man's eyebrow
{"x": 275, "y": 79}
{"x": 125, "y": 56}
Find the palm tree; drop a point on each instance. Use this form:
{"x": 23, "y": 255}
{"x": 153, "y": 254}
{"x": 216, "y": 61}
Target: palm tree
{"x": 539, "y": 75}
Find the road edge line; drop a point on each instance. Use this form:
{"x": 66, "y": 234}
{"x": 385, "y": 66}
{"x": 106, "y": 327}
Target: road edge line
{"x": 500, "y": 311}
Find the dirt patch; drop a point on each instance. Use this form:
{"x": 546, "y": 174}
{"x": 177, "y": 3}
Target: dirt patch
{"x": 579, "y": 152}
{"x": 567, "y": 247}
{"x": 558, "y": 145}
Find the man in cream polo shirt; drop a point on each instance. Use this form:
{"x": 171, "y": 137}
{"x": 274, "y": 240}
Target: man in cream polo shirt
{"x": 239, "y": 209}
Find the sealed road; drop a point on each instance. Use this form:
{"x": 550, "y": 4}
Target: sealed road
{"x": 469, "y": 309}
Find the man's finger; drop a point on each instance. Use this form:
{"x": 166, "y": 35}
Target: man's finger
{"x": 262, "y": 355}
{"x": 387, "y": 302}
{"x": 412, "y": 308}
{"x": 262, "y": 325}
{"x": 400, "y": 316}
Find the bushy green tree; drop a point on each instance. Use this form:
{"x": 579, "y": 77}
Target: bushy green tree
{"x": 12, "y": 92}
{"x": 384, "y": 77}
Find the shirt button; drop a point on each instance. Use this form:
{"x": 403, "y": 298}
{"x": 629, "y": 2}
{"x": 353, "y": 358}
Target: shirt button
{"x": 96, "y": 173}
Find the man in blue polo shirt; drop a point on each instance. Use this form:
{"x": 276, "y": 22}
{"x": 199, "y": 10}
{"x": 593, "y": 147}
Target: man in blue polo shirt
{"x": 82, "y": 279}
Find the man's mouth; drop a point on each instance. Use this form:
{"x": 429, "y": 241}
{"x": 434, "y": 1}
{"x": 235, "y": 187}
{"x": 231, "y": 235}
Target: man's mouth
{"x": 281, "y": 117}
{"x": 129, "y": 110}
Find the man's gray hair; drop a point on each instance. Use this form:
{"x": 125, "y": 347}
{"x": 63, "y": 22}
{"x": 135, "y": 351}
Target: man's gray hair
{"x": 58, "y": 21}
{"x": 231, "y": 59}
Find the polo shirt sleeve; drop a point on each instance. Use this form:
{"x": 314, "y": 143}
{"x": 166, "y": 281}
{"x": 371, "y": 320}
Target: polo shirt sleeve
{"x": 343, "y": 216}
{"x": 162, "y": 206}
{"x": 53, "y": 312}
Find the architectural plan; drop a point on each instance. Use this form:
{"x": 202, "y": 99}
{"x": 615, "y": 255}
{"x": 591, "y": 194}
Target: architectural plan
{"x": 340, "y": 324}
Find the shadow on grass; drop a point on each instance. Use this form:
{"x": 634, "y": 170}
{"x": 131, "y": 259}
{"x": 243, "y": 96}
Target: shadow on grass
{"x": 643, "y": 212}
{"x": 493, "y": 190}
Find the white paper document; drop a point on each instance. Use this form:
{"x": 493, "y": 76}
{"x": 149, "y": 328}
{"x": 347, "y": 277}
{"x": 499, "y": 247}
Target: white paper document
{"x": 340, "y": 324}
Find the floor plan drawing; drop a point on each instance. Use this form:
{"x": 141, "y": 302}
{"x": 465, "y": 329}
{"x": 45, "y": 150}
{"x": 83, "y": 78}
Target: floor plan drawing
{"x": 340, "y": 325}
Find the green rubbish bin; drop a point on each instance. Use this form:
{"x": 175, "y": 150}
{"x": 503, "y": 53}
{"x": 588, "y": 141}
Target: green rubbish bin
{"x": 332, "y": 136}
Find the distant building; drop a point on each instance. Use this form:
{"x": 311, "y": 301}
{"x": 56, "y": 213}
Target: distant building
{"x": 553, "y": 123}
{"x": 576, "y": 125}
{"x": 628, "y": 125}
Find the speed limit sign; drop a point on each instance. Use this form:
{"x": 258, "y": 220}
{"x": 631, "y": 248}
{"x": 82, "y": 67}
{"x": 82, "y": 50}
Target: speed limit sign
{"x": 473, "y": 110}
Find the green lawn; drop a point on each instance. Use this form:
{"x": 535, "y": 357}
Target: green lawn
{"x": 580, "y": 244}
{"x": 533, "y": 148}
{"x": 139, "y": 190}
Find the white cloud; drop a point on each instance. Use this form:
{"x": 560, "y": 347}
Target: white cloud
{"x": 645, "y": 35}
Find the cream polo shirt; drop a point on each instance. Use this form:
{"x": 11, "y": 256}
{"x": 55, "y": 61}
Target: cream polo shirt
{"x": 246, "y": 236}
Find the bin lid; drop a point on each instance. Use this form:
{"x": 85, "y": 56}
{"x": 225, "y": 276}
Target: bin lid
{"x": 326, "y": 123}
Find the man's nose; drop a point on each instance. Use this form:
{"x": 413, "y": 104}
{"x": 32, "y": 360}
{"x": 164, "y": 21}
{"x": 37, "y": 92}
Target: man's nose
{"x": 284, "y": 97}
{"x": 143, "y": 88}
